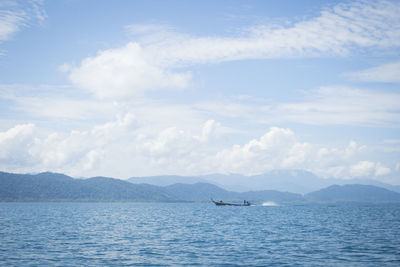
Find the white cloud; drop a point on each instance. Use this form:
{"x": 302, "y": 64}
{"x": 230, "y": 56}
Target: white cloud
{"x": 55, "y": 102}
{"x": 368, "y": 168}
{"x": 61, "y": 108}
{"x": 280, "y": 149}
{"x": 144, "y": 30}
{"x": 121, "y": 149}
{"x": 125, "y": 73}
{"x": 335, "y": 31}
{"x": 258, "y": 156}
{"x": 91, "y": 158}
{"x": 79, "y": 152}
{"x": 209, "y": 128}
{"x": 362, "y": 169}
{"x": 15, "y": 140}
{"x": 397, "y": 168}
{"x": 387, "y": 73}
{"x": 345, "y": 105}
{"x": 17, "y": 14}
{"x": 9, "y": 23}
{"x": 157, "y": 63}
{"x": 381, "y": 170}
{"x": 391, "y": 142}
{"x": 322, "y": 106}
{"x": 15, "y": 145}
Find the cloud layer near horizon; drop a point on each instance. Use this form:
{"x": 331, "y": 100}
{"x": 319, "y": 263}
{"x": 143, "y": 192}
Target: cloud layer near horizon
{"x": 119, "y": 148}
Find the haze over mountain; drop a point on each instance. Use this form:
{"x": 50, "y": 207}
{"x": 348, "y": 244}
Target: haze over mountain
{"x": 165, "y": 180}
{"x": 353, "y": 193}
{"x": 296, "y": 181}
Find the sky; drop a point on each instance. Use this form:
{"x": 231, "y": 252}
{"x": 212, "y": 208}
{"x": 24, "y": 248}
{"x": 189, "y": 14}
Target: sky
{"x": 140, "y": 88}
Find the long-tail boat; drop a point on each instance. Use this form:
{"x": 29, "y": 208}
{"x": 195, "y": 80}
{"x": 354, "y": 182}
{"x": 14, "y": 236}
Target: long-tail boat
{"x": 221, "y": 203}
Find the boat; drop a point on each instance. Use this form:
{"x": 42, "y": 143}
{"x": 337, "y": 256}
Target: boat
{"x": 221, "y": 203}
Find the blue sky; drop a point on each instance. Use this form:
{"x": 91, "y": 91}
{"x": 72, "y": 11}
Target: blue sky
{"x": 135, "y": 88}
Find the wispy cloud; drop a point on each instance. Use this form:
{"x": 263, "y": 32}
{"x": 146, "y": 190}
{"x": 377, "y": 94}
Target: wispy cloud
{"x": 345, "y": 106}
{"x": 17, "y": 14}
{"x": 54, "y": 103}
{"x": 10, "y": 22}
{"x": 386, "y": 73}
{"x": 323, "y": 106}
{"x": 159, "y": 63}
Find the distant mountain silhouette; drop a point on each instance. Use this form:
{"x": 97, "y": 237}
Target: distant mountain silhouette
{"x": 59, "y": 187}
{"x": 296, "y": 181}
{"x": 166, "y": 180}
{"x": 198, "y": 192}
{"x": 353, "y": 193}
{"x": 205, "y": 191}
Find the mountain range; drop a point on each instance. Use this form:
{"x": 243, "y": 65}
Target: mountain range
{"x": 296, "y": 181}
{"x": 59, "y": 187}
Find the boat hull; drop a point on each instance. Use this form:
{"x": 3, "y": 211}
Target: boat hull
{"x": 221, "y": 203}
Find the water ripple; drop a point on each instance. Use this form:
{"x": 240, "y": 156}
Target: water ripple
{"x": 159, "y": 234}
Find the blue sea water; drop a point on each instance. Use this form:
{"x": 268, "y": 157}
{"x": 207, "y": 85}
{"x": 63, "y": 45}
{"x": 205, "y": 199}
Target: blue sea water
{"x": 198, "y": 234}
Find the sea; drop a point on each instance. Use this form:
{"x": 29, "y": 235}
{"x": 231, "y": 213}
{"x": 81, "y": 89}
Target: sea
{"x": 199, "y": 234}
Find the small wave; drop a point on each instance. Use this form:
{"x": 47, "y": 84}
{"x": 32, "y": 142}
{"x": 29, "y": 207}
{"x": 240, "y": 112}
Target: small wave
{"x": 269, "y": 204}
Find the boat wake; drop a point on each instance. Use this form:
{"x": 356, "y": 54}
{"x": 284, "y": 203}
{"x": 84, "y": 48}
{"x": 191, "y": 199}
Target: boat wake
{"x": 269, "y": 204}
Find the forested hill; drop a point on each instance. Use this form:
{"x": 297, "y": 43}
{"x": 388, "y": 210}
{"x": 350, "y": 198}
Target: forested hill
{"x": 205, "y": 191}
{"x": 58, "y": 187}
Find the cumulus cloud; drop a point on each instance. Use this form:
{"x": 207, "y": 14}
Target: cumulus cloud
{"x": 260, "y": 155}
{"x": 125, "y": 72}
{"x": 15, "y": 139}
{"x": 381, "y": 170}
{"x": 280, "y": 149}
{"x": 368, "y": 168}
{"x": 15, "y": 145}
{"x": 158, "y": 63}
{"x": 209, "y": 129}
{"x": 362, "y": 169}
{"x": 116, "y": 148}
{"x": 80, "y": 151}
{"x": 387, "y": 73}
{"x": 120, "y": 149}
